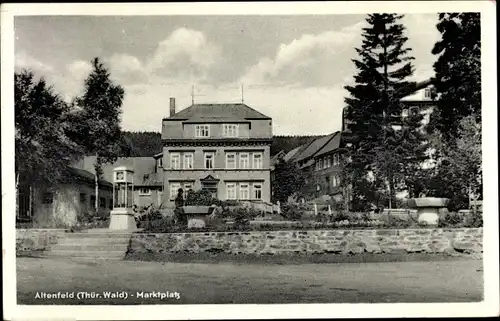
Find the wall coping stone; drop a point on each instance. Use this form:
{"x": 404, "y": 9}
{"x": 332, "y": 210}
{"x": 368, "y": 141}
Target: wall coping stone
{"x": 315, "y": 231}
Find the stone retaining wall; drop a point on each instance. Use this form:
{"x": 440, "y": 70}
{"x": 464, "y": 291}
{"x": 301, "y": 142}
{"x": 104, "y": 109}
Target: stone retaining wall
{"x": 31, "y": 240}
{"x": 466, "y": 240}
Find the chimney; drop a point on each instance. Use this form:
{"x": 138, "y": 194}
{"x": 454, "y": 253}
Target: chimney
{"x": 172, "y": 106}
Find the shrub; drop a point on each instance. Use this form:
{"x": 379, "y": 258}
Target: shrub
{"x": 293, "y": 212}
{"x": 451, "y": 220}
{"x": 341, "y": 216}
{"x": 148, "y": 214}
{"x": 474, "y": 219}
{"x": 398, "y": 223}
{"x": 242, "y": 216}
{"x": 162, "y": 225}
{"x": 201, "y": 198}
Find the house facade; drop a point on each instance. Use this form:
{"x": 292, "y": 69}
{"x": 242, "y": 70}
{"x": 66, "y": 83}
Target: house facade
{"x": 63, "y": 204}
{"x": 221, "y": 148}
{"x": 148, "y": 176}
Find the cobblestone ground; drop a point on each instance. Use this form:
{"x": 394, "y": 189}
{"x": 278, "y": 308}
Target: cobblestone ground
{"x": 387, "y": 282}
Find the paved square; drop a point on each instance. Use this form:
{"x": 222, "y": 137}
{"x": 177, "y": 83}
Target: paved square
{"x": 443, "y": 281}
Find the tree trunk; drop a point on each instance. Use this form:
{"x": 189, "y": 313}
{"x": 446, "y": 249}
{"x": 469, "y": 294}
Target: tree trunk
{"x": 390, "y": 192}
{"x": 385, "y": 106}
{"x": 17, "y": 195}
{"x": 96, "y": 176}
{"x": 30, "y": 207}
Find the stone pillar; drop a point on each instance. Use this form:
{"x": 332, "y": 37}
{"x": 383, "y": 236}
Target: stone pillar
{"x": 122, "y": 215}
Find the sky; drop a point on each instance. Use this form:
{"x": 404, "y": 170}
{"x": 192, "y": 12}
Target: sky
{"x": 292, "y": 68}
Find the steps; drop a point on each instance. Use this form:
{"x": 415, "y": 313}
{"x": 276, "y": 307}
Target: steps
{"x": 91, "y": 245}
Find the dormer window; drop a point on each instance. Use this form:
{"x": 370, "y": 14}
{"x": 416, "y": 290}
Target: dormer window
{"x": 202, "y": 131}
{"x": 230, "y": 130}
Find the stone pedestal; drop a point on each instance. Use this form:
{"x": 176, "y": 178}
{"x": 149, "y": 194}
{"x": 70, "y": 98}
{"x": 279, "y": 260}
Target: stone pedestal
{"x": 428, "y": 215}
{"x": 122, "y": 219}
{"x": 428, "y": 208}
{"x": 196, "y": 221}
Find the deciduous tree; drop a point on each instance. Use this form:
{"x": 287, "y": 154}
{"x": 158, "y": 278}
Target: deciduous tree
{"x": 288, "y": 179}
{"x": 97, "y": 120}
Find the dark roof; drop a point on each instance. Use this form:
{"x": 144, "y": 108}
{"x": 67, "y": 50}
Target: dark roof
{"x": 88, "y": 176}
{"x": 292, "y": 153}
{"x": 218, "y": 112}
{"x": 276, "y": 157}
{"x": 332, "y": 145}
{"x": 300, "y": 150}
{"x": 314, "y": 147}
{"x": 144, "y": 169}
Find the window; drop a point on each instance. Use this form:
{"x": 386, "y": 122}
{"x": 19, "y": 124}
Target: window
{"x": 427, "y": 93}
{"x": 328, "y": 161}
{"x": 144, "y": 191}
{"x": 320, "y": 163}
{"x": 202, "y": 130}
{"x": 335, "y": 181}
{"x": 175, "y": 161}
{"x": 187, "y": 187}
{"x": 257, "y": 160}
{"x": 110, "y": 203}
{"x": 209, "y": 160}
{"x": 230, "y": 160}
{"x": 174, "y": 188}
{"x": 257, "y": 191}
{"x": 92, "y": 200}
{"x": 83, "y": 197}
{"x": 102, "y": 202}
{"x": 188, "y": 161}
{"x": 336, "y": 159}
{"x": 414, "y": 110}
{"x": 244, "y": 191}
{"x": 244, "y": 160}
{"x": 159, "y": 162}
{"x": 231, "y": 191}
{"x": 230, "y": 130}
{"x": 48, "y": 198}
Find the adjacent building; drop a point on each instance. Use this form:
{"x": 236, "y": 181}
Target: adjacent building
{"x": 220, "y": 148}
{"x": 148, "y": 176}
{"x": 321, "y": 159}
{"x": 61, "y": 205}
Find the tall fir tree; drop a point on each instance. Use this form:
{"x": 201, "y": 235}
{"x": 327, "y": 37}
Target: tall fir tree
{"x": 458, "y": 72}
{"x": 97, "y": 120}
{"x": 456, "y": 122}
{"x": 378, "y": 153}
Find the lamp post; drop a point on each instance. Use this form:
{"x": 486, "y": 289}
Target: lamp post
{"x": 122, "y": 215}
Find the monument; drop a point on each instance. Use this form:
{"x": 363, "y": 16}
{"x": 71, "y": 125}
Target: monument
{"x": 428, "y": 208}
{"x": 122, "y": 214}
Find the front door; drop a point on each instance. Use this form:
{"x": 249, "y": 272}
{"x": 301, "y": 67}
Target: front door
{"x": 211, "y": 187}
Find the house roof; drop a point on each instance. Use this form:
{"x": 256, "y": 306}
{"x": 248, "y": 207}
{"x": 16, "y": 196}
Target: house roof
{"x": 292, "y": 153}
{"x": 88, "y": 176}
{"x": 275, "y": 158}
{"x": 144, "y": 169}
{"x": 218, "y": 112}
{"x": 314, "y": 147}
{"x": 332, "y": 145}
